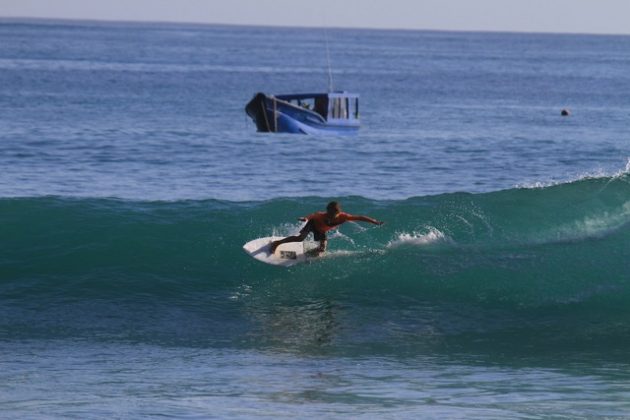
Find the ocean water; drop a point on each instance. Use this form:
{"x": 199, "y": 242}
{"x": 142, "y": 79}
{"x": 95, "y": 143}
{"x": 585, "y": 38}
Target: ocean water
{"x": 130, "y": 177}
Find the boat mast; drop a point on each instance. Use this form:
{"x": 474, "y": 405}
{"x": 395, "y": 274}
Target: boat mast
{"x": 330, "y": 77}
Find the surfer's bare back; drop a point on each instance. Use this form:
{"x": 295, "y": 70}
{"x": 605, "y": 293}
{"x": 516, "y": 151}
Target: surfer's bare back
{"x": 321, "y": 222}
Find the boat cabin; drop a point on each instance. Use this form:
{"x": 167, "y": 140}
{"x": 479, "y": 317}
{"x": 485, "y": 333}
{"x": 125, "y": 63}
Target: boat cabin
{"x": 333, "y": 106}
{"x": 334, "y": 113}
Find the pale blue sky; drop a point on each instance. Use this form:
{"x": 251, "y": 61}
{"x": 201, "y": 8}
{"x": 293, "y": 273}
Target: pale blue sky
{"x": 581, "y": 16}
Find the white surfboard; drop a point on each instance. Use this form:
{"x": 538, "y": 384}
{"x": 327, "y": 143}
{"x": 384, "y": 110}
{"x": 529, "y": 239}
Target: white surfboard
{"x": 286, "y": 255}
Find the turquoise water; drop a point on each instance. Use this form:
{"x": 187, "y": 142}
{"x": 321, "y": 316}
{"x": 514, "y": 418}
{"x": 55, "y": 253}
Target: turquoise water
{"x": 498, "y": 286}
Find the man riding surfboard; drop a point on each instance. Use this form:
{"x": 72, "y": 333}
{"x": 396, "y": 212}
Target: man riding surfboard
{"x": 321, "y": 222}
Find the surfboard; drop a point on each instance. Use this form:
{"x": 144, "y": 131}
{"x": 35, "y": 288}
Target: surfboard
{"x": 286, "y": 255}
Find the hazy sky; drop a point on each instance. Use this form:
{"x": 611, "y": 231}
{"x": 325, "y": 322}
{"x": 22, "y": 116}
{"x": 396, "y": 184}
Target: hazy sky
{"x": 583, "y": 16}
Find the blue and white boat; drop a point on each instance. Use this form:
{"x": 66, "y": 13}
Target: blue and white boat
{"x": 335, "y": 113}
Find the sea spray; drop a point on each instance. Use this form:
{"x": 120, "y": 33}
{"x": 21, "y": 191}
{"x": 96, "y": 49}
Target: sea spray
{"x": 431, "y": 236}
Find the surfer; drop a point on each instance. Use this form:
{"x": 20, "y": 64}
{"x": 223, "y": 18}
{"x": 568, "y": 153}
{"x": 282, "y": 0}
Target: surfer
{"x": 321, "y": 222}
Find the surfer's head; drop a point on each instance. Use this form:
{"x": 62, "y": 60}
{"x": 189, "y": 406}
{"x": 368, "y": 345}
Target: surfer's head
{"x": 333, "y": 208}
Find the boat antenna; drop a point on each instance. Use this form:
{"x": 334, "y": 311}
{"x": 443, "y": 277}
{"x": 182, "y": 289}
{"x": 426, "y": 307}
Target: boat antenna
{"x": 330, "y": 77}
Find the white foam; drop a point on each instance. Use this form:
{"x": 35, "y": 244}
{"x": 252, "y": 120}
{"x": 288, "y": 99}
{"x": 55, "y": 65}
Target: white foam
{"x": 552, "y": 183}
{"x": 338, "y": 235}
{"x": 287, "y": 229}
{"x": 431, "y": 236}
{"x": 340, "y": 253}
{"x": 596, "y": 226}
{"x": 579, "y": 177}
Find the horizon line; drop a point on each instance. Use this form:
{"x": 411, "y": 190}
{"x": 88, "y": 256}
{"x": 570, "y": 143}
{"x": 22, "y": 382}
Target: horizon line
{"x": 262, "y": 25}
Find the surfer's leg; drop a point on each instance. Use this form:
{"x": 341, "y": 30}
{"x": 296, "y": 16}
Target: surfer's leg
{"x": 322, "y": 246}
{"x": 323, "y": 241}
{"x": 296, "y": 238}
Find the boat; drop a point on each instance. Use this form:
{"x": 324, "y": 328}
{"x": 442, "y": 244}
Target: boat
{"x": 335, "y": 113}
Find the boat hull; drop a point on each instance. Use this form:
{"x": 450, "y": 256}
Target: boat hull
{"x": 273, "y": 115}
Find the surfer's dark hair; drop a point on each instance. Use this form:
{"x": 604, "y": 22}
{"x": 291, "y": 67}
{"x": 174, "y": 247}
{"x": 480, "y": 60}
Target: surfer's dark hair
{"x": 333, "y": 205}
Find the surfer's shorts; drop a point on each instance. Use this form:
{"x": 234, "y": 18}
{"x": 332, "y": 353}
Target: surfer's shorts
{"x": 310, "y": 227}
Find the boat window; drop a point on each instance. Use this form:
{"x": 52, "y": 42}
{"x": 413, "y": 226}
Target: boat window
{"x": 353, "y": 108}
{"x": 339, "y": 108}
{"x": 321, "y": 106}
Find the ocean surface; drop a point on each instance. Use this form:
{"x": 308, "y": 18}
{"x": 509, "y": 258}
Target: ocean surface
{"x": 130, "y": 178}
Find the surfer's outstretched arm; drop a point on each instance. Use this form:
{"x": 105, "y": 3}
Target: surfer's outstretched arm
{"x": 367, "y": 219}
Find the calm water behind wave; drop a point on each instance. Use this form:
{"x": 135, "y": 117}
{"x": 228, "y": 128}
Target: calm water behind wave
{"x": 156, "y": 111}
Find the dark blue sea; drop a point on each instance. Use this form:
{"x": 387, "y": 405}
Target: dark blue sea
{"x": 130, "y": 178}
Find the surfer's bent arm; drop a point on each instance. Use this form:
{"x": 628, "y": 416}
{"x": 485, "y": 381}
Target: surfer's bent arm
{"x": 353, "y": 218}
